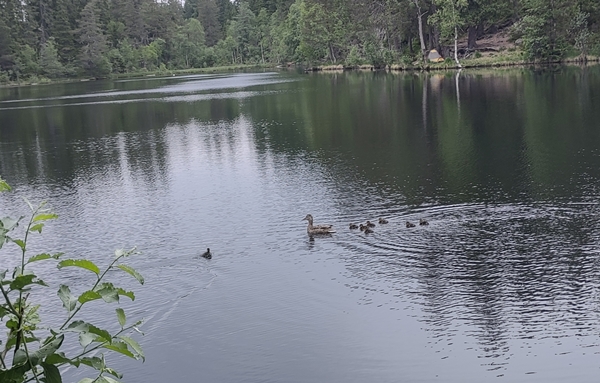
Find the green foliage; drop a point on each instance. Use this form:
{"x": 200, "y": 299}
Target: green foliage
{"x": 31, "y": 348}
{"x": 49, "y": 64}
{"x": 99, "y": 37}
{"x": 354, "y": 58}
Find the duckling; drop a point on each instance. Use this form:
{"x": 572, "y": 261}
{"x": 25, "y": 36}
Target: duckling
{"x": 207, "y": 254}
{"x": 368, "y": 230}
{"x": 383, "y": 221}
{"x": 423, "y": 222}
{"x": 362, "y": 227}
{"x": 353, "y": 226}
{"x": 370, "y": 224}
{"x": 409, "y": 224}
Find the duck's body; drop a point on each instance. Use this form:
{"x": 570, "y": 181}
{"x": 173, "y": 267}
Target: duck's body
{"x": 207, "y": 254}
{"x": 362, "y": 227}
{"x": 368, "y": 230}
{"x": 423, "y": 222}
{"x": 318, "y": 229}
{"x": 370, "y": 224}
{"x": 409, "y": 224}
{"x": 353, "y": 226}
{"x": 383, "y": 221}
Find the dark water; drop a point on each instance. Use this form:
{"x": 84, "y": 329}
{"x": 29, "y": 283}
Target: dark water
{"x": 503, "y": 285}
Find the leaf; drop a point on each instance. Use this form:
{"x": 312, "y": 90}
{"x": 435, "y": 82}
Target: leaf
{"x": 88, "y": 328}
{"x": 15, "y": 374}
{"x": 85, "y": 338}
{"x": 128, "y": 294}
{"x": 121, "y": 348}
{"x": 107, "y": 379}
{"x": 39, "y": 257}
{"x": 135, "y": 346}
{"x": 51, "y": 373}
{"x": 121, "y": 316}
{"x": 44, "y": 217}
{"x": 25, "y": 280}
{"x": 19, "y": 242}
{"x": 86, "y": 380}
{"x": 113, "y": 372}
{"x": 47, "y": 349}
{"x": 4, "y": 186}
{"x": 68, "y": 300}
{"x": 88, "y": 296}
{"x": 95, "y": 362}
{"x": 20, "y": 357}
{"x": 129, "y": 270}
{"x": 60, "y": 358}
{"x": 108, "y": 292}
{"x": 78, "y": 326}
{"x": 37, "y": 228}
{"x": 8, "y": 223}
{"x": 82, "y": 263}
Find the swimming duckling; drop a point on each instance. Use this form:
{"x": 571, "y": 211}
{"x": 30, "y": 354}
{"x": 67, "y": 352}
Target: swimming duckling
{"x": 353, "y": 226}
{"x": 409, "y": 224}
{"x": 370, "y": 224}
{"x": 207, "y": 254}
{"x": 368, "y": 230}
{"x": 382, "y": 221}
{"x": 362, "y": 227}
{"x": 423, "y": 222}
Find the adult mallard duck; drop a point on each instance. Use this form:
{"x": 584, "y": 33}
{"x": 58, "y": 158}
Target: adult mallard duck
{"x": 409, "y": 224}
{"x": 353, "y": 226}
{"x": 319, "y": 229}
{"x": 370, "y": 224}
{"x": 423, "y": 222}
{"x": 207, "y": 254}
{"x": 383, "y": 221}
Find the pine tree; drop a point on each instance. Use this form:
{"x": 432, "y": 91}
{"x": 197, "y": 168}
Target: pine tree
{"x": 208, "y": 13}
{"x": 93, "y": 42}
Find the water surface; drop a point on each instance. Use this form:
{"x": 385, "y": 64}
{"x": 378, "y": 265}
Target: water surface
{"x": 503, "y": 284}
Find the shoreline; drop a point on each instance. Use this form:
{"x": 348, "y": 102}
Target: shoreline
{"x": 466, "y": 64}
{"x": 474, "y": 63}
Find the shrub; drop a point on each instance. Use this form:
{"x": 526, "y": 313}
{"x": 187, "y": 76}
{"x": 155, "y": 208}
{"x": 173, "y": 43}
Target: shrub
{"x": 31, "y": 347}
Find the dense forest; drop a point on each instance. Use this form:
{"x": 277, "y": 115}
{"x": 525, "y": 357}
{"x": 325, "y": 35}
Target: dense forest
{"x": 64, "y": 38}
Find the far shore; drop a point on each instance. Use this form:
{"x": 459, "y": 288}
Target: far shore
{"x": 489, "y": 61}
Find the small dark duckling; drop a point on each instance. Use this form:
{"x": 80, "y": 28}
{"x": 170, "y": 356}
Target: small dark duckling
{"x": 409, "y": 224}
{"x": 353, "y": 226}
{"x": 383, "y": 221}
{"x": 207, "y": 254}
{"x": 423, "y": 222}
{"x": 368, "y": 230}
{"x": 370, "y": 224}
{"x": 362, "y": 227}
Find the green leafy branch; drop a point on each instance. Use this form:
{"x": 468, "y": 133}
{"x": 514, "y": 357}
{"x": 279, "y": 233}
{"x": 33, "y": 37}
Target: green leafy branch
{"x": 25, "y": 357}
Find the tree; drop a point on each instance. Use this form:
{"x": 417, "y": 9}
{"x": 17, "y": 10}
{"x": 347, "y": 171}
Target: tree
{"x": 449, "y": 18}
{"x": 189, "y": 44}
{"x": 93, "y": 43}
{"x": 49, "y": 64}
{"x": 208, "y": 14}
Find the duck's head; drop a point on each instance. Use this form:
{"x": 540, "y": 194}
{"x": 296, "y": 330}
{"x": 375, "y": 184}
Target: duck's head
{"x": 308, "y": 218}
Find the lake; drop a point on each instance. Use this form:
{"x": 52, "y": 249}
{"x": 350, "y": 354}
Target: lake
{"x": 502, "y": 285}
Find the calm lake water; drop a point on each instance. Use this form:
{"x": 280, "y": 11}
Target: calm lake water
{"x": 502, "y": 285}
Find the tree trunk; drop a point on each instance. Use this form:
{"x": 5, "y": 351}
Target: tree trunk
{"x": 456, "y": 47}
{"x": 421, "y": 38}
{"x": 472, "y": 44}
